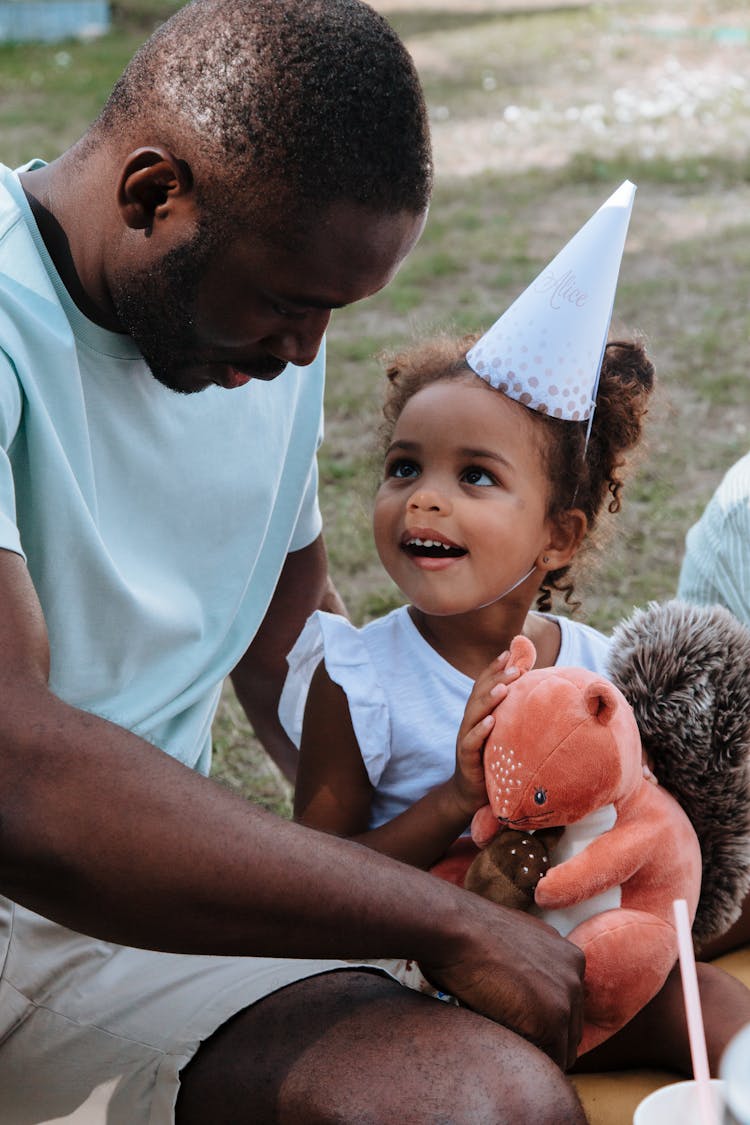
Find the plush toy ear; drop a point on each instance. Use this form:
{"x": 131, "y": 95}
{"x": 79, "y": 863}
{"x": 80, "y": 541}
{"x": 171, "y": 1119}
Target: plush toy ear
{"x": 522, "y": 654}
{"x": 601, "y": 701}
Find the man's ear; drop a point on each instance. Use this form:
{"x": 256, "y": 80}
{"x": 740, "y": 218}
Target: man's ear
{"x": 566, "y": 535}
{"x": 152, "y": 182}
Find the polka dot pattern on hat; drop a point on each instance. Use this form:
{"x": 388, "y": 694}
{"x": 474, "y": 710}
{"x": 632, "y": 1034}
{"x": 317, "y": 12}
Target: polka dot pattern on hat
{"x": 546, "y": 350}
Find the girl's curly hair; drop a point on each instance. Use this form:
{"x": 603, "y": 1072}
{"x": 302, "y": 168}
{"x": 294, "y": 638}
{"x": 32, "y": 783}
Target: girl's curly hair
{"x": 580, "y": 476}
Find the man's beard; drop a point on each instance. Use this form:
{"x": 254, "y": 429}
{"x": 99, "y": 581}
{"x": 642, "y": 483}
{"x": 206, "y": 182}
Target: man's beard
{"x": 156, "y": 307}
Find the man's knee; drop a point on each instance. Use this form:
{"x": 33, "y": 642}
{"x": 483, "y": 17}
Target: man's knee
{"x": 548, "y": 1099}
{"x": 520, "y": 1084}
{"x": 351, "y": 1047}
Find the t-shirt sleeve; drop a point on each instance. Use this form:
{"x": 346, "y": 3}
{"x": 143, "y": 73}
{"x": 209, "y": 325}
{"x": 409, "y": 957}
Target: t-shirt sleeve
{"x": 582, "y": 646}
{"x": 309, "y": 522}
{"x": 331, "y": 638}
{"x": 716, "y": 567}
{"x": 10, "y": 417}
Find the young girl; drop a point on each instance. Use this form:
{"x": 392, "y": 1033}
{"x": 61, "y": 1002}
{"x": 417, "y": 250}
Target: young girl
{"x": 474, "y": 521}
{"x": 500, "y": 452}
{"x": 483, "y": 507}
{"x": 489, "y": 491}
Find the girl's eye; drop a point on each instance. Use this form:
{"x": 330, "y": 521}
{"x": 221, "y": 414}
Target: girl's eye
{"x": 475, "y": 475}
{"x": 402, "y": 470}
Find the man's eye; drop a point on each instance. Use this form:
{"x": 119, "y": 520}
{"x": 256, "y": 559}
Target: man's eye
{"x": 285, "y": 311}
{"x": 403, "y": 470}
{"x": 475, "y": 475}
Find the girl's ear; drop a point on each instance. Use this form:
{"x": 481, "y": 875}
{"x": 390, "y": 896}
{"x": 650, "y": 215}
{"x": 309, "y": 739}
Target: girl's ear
{"x": 566, "y": 535}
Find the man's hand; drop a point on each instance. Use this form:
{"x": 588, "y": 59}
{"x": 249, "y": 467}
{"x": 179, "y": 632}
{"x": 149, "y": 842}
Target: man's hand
{"x": 518, "y": 971}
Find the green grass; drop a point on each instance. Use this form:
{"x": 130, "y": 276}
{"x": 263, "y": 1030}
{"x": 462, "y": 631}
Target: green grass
{"x": 511, "y": 189}
{"x": 49, "y": 93}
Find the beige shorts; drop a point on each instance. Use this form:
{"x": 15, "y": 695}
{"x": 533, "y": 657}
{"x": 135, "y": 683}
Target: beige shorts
{"x": 96, "y": 1034}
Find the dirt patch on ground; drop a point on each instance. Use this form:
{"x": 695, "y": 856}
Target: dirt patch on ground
{"x": 495, "y": 7}
{"x": 643, "y": 83}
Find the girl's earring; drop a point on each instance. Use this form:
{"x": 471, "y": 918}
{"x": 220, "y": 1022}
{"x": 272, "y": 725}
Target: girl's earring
{"x": 545, "y": 559}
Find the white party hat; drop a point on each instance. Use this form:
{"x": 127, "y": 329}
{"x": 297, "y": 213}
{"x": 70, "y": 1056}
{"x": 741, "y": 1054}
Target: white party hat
{"x": 546, "y": 350}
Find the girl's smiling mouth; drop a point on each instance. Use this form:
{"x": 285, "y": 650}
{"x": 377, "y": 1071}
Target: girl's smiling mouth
{"x": 423, "y": 544}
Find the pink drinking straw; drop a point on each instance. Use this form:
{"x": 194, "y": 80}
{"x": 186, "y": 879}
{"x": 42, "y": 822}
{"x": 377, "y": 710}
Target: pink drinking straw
{"x": 708, "y": 1114}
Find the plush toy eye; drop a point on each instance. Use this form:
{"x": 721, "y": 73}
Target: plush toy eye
{"x": 540, "y": 796}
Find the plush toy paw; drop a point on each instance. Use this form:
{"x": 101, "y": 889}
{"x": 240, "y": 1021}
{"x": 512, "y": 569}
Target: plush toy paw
{"x": 509, "y": 868}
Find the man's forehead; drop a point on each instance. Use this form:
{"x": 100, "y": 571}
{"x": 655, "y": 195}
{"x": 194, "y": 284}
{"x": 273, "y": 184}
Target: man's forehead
{"x": 327, "y": 259}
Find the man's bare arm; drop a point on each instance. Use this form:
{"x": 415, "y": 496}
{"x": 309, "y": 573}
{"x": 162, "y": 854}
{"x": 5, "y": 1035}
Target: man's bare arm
{"x": 304, "y": 586}
{"x": 259, "y": 677}
{"x": 106, "y": 834}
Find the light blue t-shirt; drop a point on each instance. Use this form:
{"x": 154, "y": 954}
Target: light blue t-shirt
{"x": 154, "y": 524}
{"x": 716, "y": 567}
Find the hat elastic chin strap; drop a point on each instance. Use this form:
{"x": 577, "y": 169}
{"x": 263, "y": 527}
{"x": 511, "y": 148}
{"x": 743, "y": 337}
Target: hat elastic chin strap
{"x": 510, "y": 589}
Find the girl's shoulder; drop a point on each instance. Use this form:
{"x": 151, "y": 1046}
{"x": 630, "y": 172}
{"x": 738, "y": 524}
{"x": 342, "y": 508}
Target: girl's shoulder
{"x": 355, "y": 658}
{"x": 582, "y": 646}
{"x": 331, "y": 635}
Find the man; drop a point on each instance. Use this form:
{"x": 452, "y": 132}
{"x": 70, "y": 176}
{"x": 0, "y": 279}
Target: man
{"x": 260, "y": 163}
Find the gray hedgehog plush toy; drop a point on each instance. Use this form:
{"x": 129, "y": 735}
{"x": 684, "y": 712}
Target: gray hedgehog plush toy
{"x": 685, "y": 670}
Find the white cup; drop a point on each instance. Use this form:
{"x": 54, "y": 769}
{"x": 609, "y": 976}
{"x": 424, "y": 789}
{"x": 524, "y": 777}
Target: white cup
{"x": 677, "y": 1104}
{"x": 735, "y": 1070}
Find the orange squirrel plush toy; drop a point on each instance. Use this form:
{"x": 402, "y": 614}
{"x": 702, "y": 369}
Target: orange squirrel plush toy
{"x": 566, "y": 751}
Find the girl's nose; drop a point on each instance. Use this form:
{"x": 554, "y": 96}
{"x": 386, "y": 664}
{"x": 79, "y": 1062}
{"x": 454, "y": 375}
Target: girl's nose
{"x": 429, "y": 500}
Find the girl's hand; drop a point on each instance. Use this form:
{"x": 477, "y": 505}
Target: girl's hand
{"x": 490, "y": 689}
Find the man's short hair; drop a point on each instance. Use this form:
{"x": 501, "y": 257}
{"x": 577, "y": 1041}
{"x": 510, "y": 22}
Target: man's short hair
{"x": 314, "y": 101}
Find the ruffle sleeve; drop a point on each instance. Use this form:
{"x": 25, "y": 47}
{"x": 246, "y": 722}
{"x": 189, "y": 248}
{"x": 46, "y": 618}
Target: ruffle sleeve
{"x": 333, "y": 639}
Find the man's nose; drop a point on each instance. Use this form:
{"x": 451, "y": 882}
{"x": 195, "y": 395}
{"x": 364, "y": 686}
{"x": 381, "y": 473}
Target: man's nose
{"x": 299, "y": 343}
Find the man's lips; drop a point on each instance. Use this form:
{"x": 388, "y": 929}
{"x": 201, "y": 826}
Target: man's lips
{"x": 235, "y": 379}
{"x": 232, "y": 377}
